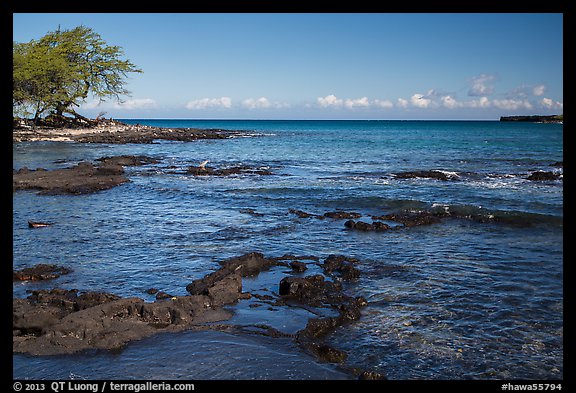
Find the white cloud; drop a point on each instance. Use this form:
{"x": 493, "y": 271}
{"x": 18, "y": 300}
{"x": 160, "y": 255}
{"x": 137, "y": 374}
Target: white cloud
{"x": 420, "y": 101}
{"x": 205, "y": 103}
{"x": 481, "y": 85}
{"x": 137, "y": 103}
{"x": 510, "y": 104}
{"x": 263, "y": 103}
{"x": 382, "y": 104}
{"x": 450, "y": 103}
{"x": 361, "y": 102}
{"x": 402, "y": 103}
{"x": 551, "y": 104}
{"x": 483, "y": 102}
{"x": 538, "y": 90}
{"x": 258, "y": 103}
{"x": 329, "y": 100}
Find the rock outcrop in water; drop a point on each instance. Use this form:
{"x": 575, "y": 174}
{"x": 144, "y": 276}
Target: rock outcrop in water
{"x": 61, "y": 321}
{"x": 341, "y": 266}
{"x": 408, "y": 218}
{"x": 341, "y": 215}
{"x": 234, "y": 170}
{"x": 39, "y": 272}
{"x": 315, "y": 291}
{"x": 84, "y": 178}
{"x": 377, "y": 226}
{"x": 543, "y": 176}
{"x": 438, "y": 175}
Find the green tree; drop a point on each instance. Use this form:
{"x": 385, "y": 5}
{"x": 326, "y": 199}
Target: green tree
{"x": 60, "y": 70}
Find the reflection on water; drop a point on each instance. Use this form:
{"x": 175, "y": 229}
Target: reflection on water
{"x": 193, "y": 355}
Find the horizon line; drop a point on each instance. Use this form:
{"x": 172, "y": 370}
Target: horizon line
{"x": 256, "y": 119}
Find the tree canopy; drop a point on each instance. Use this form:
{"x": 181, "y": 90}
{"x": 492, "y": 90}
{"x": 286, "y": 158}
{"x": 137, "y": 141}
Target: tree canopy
{"x": 59, "y": 71}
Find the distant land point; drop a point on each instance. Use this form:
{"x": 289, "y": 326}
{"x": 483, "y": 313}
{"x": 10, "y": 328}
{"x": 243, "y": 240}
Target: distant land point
{"x": 535, "y": 118}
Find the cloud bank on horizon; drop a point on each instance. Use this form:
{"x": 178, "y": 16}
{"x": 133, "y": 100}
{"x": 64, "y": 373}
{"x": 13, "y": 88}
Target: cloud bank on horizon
{"x": 481, "y": 95}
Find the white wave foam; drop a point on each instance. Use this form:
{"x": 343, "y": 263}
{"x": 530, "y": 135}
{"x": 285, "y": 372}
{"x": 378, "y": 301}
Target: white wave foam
{"x": 449, "y": 173}
{"x": 251, "y": 135}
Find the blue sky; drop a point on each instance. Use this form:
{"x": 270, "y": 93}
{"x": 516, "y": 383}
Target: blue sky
{"x": 327, "y": 66}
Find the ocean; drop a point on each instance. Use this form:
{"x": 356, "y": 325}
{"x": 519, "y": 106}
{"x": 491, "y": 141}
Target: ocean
{"x": 479, "y": 296}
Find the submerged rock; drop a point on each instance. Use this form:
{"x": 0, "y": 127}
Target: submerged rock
{"x": 325, "y": 352}
{"x": 39, "y": 272}
{"x": 371, "y": 375}
{"x": 311, "y": 290}
{"x": 292, "y": 257}
{"x": 438, "y": 175}
{"x": 249, "y": 264}
{"x": 128, "y": 160}
{"x": 340, "y": 215}
{"x": 412, "y": 219}
{"x": 543, "y": 176}
{"x": 302, "y": 214}
{"x": 377, "y": 226}
{"x": 163, "y": 295}
{"x": 235, "y": 170}
{"x": 315, "y": 291}
{"x": 251, "y": 212}
{"x": 342, "y": 265}
{"x": 298, "y": 266}
{"x": 224, "y": 286}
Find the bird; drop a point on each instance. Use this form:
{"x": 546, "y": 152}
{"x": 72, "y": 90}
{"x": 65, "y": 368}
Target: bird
{"x": 203, "y": 165}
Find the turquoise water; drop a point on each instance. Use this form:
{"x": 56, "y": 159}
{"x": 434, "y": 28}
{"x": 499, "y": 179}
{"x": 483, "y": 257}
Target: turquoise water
{"x": 456, "y": 300}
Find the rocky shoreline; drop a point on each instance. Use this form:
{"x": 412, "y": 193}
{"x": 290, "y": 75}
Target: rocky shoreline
{"x": 60, "y": 321}
{"x": 114, "y": 132}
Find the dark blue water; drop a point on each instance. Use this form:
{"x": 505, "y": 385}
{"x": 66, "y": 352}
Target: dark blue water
{"x": 460, "y": 299}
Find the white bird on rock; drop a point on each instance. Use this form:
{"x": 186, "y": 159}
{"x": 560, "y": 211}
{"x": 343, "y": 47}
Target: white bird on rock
{"x": 203, "y": 165}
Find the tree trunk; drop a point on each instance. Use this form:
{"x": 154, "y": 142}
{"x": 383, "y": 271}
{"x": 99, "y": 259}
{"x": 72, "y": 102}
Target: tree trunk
{"x": 37, "y": 114}
{"x": 59, "y": 111}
